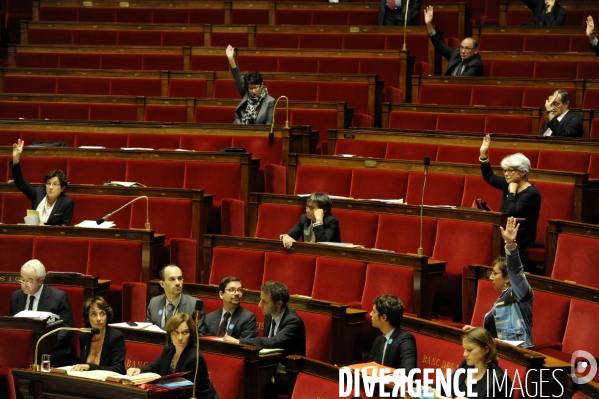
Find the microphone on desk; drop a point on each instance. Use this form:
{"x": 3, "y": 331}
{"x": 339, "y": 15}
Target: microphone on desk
{"x": 271, "y": 135}
{"x": 105, "y": 218}
{"x": 92, "y": 331}
{"x": 199, "y": 307}
{"x": 427, "y": 162}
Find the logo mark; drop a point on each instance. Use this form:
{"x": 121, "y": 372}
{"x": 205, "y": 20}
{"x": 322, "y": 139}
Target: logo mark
{"x": 580, "y": 366}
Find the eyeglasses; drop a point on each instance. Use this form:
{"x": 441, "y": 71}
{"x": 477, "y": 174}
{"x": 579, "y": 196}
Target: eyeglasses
{"x": 466, "y": 48}
{"x": 254, "y": 88}
{"x": 509, "y": 171}
{"x": 234, "y": 290}
{"x": 27, "y": 283}
{"x": 52, "y": 184}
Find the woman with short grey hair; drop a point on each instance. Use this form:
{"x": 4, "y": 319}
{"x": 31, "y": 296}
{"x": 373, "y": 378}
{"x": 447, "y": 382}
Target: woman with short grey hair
{"x": 521, "y": 199}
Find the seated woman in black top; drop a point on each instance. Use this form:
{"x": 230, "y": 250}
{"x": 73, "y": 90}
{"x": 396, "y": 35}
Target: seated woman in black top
{"x": 317, "y": 225}
{"x": 103, "y": 351}
{"x": 520, "y": 198}
{"x": 53, "y": 206}
{"x": 488, "y": 381}
{"x": 178, "y": 355}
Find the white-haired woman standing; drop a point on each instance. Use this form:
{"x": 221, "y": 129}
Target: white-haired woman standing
{"x": 520, "y": 198}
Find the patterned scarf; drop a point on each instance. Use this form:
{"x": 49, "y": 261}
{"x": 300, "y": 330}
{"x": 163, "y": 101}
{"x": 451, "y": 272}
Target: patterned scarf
{"x": 251, "y": 113}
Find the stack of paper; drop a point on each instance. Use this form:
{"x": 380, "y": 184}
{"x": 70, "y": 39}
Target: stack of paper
{"x": 34, "y": 314}
{"x": 100, "y": 375}
{"x": 91, "y": 224}
{"x": 140, "y": 326}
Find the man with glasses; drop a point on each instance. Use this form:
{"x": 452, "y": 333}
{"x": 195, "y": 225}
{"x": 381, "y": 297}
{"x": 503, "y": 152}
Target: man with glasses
{"x": 232, "y": 319}
{"x": 560, "y": 120}
{"x": 162, "y": 307}
{"x": 463, "y": 60}
{"x": 317, "y": 225}
{"x": 283, "y": 328}
{"x": 34, "y": 295}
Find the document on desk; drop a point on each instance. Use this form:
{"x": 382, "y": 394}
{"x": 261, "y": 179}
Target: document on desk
{"x": 99, "y": 375}
{"x": 140, "y": 326}
{"x": 92, "y": 224}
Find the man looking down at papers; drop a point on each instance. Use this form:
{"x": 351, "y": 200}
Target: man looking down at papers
{"x": 283, "y": 328}
{"x": 36, "y": 296}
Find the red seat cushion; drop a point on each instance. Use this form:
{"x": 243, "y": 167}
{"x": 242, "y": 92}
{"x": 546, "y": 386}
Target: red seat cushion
{"x": 243, "y": 264}
{"x": 274, "y": 220}
{"x": 334, "y": 181}
{"x": 348, "y": 277}
{"x": 319, "y": 341}
{"x": 295, "y": 271}
{"x": 411, "y": 151}
{"x": 585, "y": 249}
{"x": 441, "y": 189}
{"x": 223, "y": 370}
{"x": 378, "y": 184}
{"x": 396, "y": 233}
{"x": 357, "y": 227}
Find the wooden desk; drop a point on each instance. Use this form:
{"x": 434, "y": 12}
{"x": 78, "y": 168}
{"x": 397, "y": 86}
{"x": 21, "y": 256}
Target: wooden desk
{"x": 38, "y": 328}
{"x": 39, "y": 385}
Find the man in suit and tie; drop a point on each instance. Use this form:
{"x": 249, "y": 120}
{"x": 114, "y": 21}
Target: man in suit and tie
{"x": 232, "y": 319}
{"x": 283, "y": 328}
{"x": 163, "y": 307}
{"x": 396, "y": 348}
{"x": 37, "y": 296}
{"x": 560, "y": 120}
{"x": 594, "y": 42}
{"x": 393, "y": 12}
{"x": 463, "y": 60}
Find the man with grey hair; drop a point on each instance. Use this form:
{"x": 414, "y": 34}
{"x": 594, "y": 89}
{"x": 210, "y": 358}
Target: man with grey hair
{"x": 316, "y": 225}
{"x": 37, "y": 296}
{"x": 560, "y": 120}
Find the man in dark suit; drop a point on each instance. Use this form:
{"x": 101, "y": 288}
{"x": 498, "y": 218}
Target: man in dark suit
{"x": 546, "y": 12}
{"x": 393, "y": 12}
{"x": 560, "y": 120}
{"x": 283, "y": 328}
{"x": 316, "y": 225}
{"x": 163, "y": 307}
{"x": 232, "y": 320}
{"x": 594, "y": 42}
{"x": 35, "y": 295}
{"x": 463, "y": 60}
{"x": 396, "y": 348}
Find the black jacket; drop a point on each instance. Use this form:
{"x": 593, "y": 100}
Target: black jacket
{"x": 570, "y": 125}
{"x": 112, "y": 357}
{"x": 242, "y": 324}
{"x": 187, "y": 362}
{"x": 485, "y": 387}
{"x": 541, "y": 17}
{"x": 62, "y": 211}
{"x": 413, "y": 13}
{"x": 328, "y": 231}
{"x": 473, "y": 66}
{"x": 400, "y": 352}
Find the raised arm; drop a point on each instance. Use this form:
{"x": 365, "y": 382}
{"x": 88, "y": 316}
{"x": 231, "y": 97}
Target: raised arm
{"x": 485, "y": 167}
{"x": 17, "y": 149}
{"x": 515, "y": 268}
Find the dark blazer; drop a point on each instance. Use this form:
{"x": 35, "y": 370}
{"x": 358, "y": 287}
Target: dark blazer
{"x": 265, "y": 113}
{"x": 112, "y": 357}
{"x": 480, "y": 388}
{"x": 187, "y": 362}
{"x": 570, "y": 126}
{"x": 400, "y": 353}
{"x": 291, "y": 335}
{"x": 413, "y": 13}
{"x": 473, "y": 66}
{"x": 541, "y": 17}
{"x": 186, "y": 305}
{"x": 242, "y": 324}
{"x": 595, "y": 48}
{"x": 57, "y": 302}
{"x": 328, "y": 231}
{"x": 62, "y": 212}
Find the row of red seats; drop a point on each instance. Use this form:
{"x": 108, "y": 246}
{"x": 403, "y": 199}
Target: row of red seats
{"x": 553, "y": 43}
{"x": 540, "y": 69}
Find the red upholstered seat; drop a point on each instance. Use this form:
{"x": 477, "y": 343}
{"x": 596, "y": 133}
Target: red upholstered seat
{"x": 580, "y": 271}
{"x": 587, "y": 70}
{"x": 322, "y": 41}
{"x": 413, "y": 120}
{"x": 37, "y": 136}
{"x": 276, "y": 40}
{"x": 591, "y": 99}
{"x": 557, "y": 203}
{"x": 134, "y": 300}
{"x": 556, "y": 69}
{"x": 512, "y": 69}
{"x": 357, "y": 227}
{"x": 223, "y": 371}
{"x": 140, "y": 354}
{"x": 91, "y": 207}
{"x": 113, "y": 140}
{"x": 411, "y": 151}
{"x": 388, "y": 279}
{"x": 501, "y": 42}
{"x": 95, "y": 171}
{"x": 16, "y": 251}
{"x": 156, "y": 173}
{"x": 243, "y": 264}
{"x": 76, "y": 298}
{"x": 461, "y": 123}
{"x": 334, "y": 181}
{"x": 21, "y": 348}
{"x": 581, "y": 330}
{"x": 310, "y": 386}
{"x": 550, "y": 316}
{"x": 496, "y": 155}
{"x": 486, "y": 295}
{"x": 36, "y": 168}
{"x": 378, "y": 184}
{"x": 438, "y": 353}
{"x": 163, "y": 212}
{"x": 64, "y": 111}
{"x": 248, "y": 16}
{"x": 475, "y": 186}
{"x": 348, "y": 276}
{"x": 232, "y": 217}
{"x": 454, "y": 244}
{"x": 564, "y": 161}
{"x": 269, "y": 152}
{"x": 218, "y": 178}
{"x": 295, "y": 271}
{"x": 441, "y": 189}
{"x": 320, "y": 120}
{"x": 205, "y": 143}
{"x": 557, "y": 44}
{"x": 206, "y": 114}
{"x": 85, "y": 37}
{"x": 29, "y": 84}
{"x": 10, "y": 109}
{"x": 497, "y": 96}
{"x": 319, "y": 341}
{"x": 533, "y": 96}
{"x": 356, "y": 94}
{"x": 298, "y": 64}
{"x": 50, "y": 250}
{"x": 458, "y": 154}
{"x": 362, "y": 148}
{"x": 166, "y": 113}
{"x": 398, "y": 233}
{"x": 274, "y": 220}
{"x": 445, "y": 94}
{"x": 594, "y": 162}
{"x": 195, "y": 88}
{"x": 15, "y": 208}
{"x": 508, "y": 124}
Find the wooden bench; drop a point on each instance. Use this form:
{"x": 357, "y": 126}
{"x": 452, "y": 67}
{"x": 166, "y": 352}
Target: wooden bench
{"x": 331, "y": 327}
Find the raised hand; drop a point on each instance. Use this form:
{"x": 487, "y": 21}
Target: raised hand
{"x": 17, "y": 149}
{"x": 484, "y": 148}
{"x": 590, "y": 28}
{"x": 549, "y": 4}
{"x": 511, "y": 230}
{"x": 428, "y": 15}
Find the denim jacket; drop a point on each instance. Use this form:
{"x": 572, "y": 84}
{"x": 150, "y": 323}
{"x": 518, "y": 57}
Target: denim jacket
{"x": 512, "y": 312}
